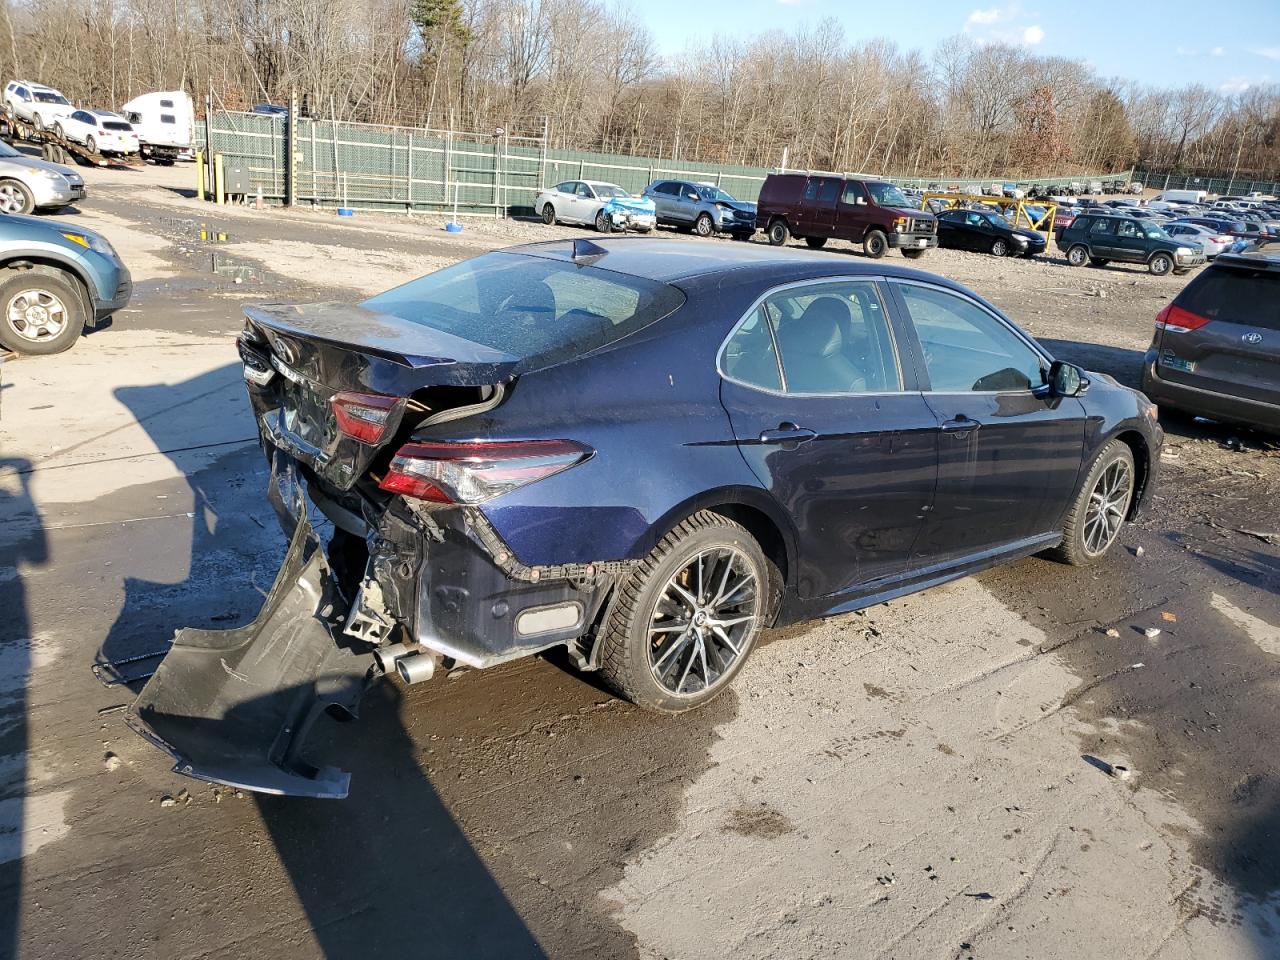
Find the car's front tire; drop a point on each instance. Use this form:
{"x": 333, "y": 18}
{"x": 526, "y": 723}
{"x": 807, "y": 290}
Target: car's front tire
{"x": 1097, "y": 513}
{"x": 41, "y": 311}
{"x": 15, "y": 197}
{"x": 685, "y": 620}
{"x": 875, "y": 244}
{"x": 816, "y": 243}
{"x": 603, "y": 225}
{"x": 1160, "y": 264}
{"x": 704, "y": 226}
{"x": 999, "y": 247}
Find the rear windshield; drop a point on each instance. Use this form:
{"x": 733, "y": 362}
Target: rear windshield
{"x": 116, "y": 125}
{"x": 1236, "y": 295}
{"x": 542, "y": 311}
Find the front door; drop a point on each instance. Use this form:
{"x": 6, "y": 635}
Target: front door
{"x": 1008, "y": 455}
{"x": 1130, "y": 242}
{"x": 830, "y": 423}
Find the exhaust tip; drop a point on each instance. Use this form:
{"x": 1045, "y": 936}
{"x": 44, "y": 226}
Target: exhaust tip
{"x": 416, "y": 667}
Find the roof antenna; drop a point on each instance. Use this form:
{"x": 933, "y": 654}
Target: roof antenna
{"x": 587, "y": 251}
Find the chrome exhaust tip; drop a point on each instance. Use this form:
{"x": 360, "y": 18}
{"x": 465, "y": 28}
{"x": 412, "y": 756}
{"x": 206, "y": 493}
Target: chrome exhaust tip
{"x": 415, "y": 667}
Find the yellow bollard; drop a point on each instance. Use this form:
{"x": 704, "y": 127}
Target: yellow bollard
{"x": 217, "y": 179}
{"x": 199, "y": 174}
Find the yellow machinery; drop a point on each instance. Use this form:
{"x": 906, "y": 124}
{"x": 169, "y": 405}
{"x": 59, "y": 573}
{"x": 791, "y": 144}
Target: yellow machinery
{"x": 1016, "y": 211}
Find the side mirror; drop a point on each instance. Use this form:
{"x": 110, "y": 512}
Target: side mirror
{"x": 1067, "y": 380}
{"x": 860, "y": 201}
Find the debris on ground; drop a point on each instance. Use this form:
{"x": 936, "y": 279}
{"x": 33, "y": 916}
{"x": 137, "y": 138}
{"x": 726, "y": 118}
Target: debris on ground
{"x": 1168, "y": 617}
{"x": 1112, "y": 632}
{"x": 110, "y": 761}
{"x": 1151, "y": 632}
{"x": 168, "y": 801}
{"x": 1138, "y": 551}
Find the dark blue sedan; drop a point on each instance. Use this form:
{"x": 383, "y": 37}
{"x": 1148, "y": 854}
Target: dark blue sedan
{"x": 645, "y": 451}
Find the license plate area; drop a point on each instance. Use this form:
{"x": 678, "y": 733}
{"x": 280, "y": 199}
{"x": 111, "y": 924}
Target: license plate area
{"x": 1174, "y": 362}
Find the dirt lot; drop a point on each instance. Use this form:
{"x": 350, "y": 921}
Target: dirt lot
{"x": 920, "y": 780}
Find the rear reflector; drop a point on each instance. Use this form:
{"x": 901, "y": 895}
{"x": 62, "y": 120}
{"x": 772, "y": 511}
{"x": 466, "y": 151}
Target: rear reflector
{"x": 1176, "y": 320}
{"x": 562, "y": 616}
{"x": 476, "y": 471}
{"x": 363, "y": 416}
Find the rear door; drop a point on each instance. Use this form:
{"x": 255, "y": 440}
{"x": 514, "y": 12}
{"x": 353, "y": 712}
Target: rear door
{"x": 1222, "y": 333}
{"x": 829, "y": 420}
{"x": 1008, "y": 457}
{"x": 1101, "y": 237}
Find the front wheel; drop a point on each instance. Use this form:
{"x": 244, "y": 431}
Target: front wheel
{"x": 603, "y": 224}
{"x": 875, "y": 244}
{"x": 40, "y": 312}
{"x": 37, "y": 122}
{"x": 779, "y": 233}
{"x": 816, "y": 243}
{"x": 1160, "y": 264}
{"x": 684, "y": 622}
{"x": 999, "y": 247}
{"x": 15, "y": 197}
{"x": 704, "y": 226}
{"x": 1078, "y": 255}
{"x": 57, "y": 130}
{"x": 1100, "y": 507}
{"x": 549, "y": 215}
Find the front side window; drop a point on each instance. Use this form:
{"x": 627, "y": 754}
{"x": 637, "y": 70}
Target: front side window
{"x": 832, "y": 338}
{"x": 567, "y": 187}
{"x": 1128, "y": 229}
{"x": 585, "y": 191}
{"x": 966, "y": 349}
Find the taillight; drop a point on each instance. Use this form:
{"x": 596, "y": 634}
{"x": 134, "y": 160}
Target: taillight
{"x": 363, "y": 416}
{"x": 1176, "y": 320}
{"x": 476, "y": 471}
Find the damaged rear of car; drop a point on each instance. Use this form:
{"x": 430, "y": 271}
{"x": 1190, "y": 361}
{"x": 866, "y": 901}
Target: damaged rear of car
{"x": 389, "y": 428}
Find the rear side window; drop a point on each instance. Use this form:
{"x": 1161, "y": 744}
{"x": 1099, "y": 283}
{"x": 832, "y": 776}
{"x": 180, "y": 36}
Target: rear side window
{"x": 539, "y": 310}
{"x": 811, "y": 189}
{"x": 1101, "y": 227}
{"x": 1235, "y": 295}
{"x": 167, "y": 118}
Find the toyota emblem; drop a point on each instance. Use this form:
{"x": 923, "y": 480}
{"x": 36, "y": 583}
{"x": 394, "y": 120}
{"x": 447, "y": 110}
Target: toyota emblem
{"x": 1252, "y": 337}
{"x": 286, "y": 351}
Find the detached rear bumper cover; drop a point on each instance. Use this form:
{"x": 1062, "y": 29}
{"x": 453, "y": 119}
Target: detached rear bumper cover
{"x": 235, "y": 706}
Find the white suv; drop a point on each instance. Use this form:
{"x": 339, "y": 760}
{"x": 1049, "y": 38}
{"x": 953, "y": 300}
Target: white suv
{"x": 35, "y": 103}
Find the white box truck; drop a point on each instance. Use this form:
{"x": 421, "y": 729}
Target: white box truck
{"x": 1182, "y": 196}
{"x": 165, "y": 124}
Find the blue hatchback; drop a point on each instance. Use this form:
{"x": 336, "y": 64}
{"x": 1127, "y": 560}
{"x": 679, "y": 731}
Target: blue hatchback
{"x": 645, "y": 451}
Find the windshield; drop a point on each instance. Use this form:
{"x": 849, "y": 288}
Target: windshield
{"x": 51, "y": 98}
{"x": 534, "y": 308}
{"x": 609, "y": 190}
{"x": 887, "y": 195}
{"x": 1155, "y": 232}
{"x": 715, "y": 195}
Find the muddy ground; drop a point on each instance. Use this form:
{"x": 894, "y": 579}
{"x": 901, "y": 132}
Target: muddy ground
{"x": 924, "y": 779}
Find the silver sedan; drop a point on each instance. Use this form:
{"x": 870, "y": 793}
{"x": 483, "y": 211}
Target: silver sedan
{"x": 29, "y": 183}
{"x": 1211, "y": 241}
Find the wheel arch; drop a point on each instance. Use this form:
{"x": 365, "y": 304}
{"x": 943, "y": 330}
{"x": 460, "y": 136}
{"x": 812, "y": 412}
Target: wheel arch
{"x": 32, "y": 261}
{"x": 1137, "y": 445}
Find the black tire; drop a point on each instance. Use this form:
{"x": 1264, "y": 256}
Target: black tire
{"x": 1160, "y": 264}
{"x": 779, "y": 233}
{"x": 1078, "y": 255}
{"x": 603, "y": 223}
{"x": 1075, "y": 548}
{"x": 549, "y": 215}
{"x": 91, "y": 144}
{"x": 168, "y": 162}
{"x": 15, "y": 197}
{"x": 999, "y": 247}
{"x": 875, "y": 244}
{"x": 704, "y": 226}
{"x": 816, "y": 243}
{"x": 628, "y": 640}
{"x": 914, "y": 254}
{"x": 20, "y": 336}
{"x": 742, "y": 236}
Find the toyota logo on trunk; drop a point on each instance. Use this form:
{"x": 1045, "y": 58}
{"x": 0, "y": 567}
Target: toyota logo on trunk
{"x": 286, "y": 351}
{"x": 1252, "y": 337}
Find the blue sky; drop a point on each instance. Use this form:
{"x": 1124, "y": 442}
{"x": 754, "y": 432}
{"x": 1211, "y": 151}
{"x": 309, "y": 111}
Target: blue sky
{"x": 1227, "y": 46}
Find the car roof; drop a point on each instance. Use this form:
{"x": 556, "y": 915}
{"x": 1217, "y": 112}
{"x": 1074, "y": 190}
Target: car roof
{"x": 669, "y": 260}
{"x": 1259, "y": 258}
{"x": 596, "y": 183}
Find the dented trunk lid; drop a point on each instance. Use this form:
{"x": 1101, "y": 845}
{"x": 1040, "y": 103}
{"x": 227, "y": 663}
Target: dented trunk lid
{"x": 299, "y": 357}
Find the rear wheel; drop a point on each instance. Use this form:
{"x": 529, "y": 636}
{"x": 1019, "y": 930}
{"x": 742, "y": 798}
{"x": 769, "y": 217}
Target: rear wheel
{"x": 1078, "y": 255}
{"x": 548, "y": 214}
{"x": 999, "y": 247}
{"x": 1160, "y": 264}
{"x": 816, "y": 243}
{"x": 875, "y": 244}
{"x": 91, "y": 144}
{"x": 40, "y": 312}
{"x": 1100, "y": 507}
{"x": 57, "y": 129}
{"x": 779, "y": 233}
{"x": 684, "y": 622}
{"x": 704, "y": 226}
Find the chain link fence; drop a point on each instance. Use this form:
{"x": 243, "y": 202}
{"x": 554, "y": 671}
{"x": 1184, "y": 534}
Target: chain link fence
{"x": 1222, "y": 186}
{"x": 326, "y": 163}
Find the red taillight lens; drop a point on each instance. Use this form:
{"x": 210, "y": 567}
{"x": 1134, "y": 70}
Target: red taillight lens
{"x": 476, "y": 471}
{"x": 1176, "y": 320}
{"x": 363, "y": 416}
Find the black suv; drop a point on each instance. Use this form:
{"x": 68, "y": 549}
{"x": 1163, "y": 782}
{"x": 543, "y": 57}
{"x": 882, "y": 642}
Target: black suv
{"x": 1098, "y": 239}
{"x": 1216, "y": 350}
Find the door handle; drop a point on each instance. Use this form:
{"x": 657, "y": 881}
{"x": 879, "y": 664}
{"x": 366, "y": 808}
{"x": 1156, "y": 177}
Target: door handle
{"x": 787, "y": 433}
{"x": 960, "y": 426}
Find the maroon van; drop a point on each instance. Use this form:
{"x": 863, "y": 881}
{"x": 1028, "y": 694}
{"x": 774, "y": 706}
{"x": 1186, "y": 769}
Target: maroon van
{"x": 818, "y": 207}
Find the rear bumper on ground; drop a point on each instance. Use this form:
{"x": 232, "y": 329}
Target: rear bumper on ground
{"x": 1207, "y": 403}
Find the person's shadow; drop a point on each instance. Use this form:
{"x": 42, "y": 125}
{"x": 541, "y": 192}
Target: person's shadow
{"x": 386, "y": 872}
{"x": 23, "y": 545}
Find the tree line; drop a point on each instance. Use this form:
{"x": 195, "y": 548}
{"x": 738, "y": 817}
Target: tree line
{"x": 588, "y": 74}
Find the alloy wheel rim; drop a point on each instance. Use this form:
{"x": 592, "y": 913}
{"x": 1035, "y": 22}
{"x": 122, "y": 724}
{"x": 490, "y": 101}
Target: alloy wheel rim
{"x": 704, "y": 227}
{"x": 702, "y": 621}
{"x": 1000, "y": 249}
{"x": 36, "y": 315}
{"x": 1161, "y": 265}
{"x": 10, "y": 199}
{"x": 1108, "y": 503}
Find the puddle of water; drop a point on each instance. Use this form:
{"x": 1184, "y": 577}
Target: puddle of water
{"x": 224, "y": 266}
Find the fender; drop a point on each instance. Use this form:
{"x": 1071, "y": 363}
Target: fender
{"x": 38, "y": 254}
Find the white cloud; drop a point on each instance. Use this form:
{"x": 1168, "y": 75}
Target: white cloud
{"x": 1217, "y": 52}
{"x": 1271, "y": 53}
{"x": 983, "y": 17}
{"x": 1234, "y": 85}
{"x": 1032, "y": 35}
